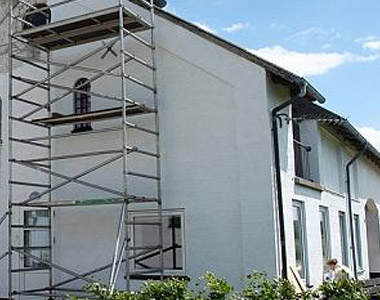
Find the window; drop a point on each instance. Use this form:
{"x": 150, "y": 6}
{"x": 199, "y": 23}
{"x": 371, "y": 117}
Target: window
{"x": 37, "y": 17}
{"x": 148, "y": 236}
{"x": 299, "y": 238}
{"x": 36, "y": 237}
{"x": 358, "y": 242}
{"x": 82, "y": 103}
{"x": 343, "y": 238}
{"x": 325, "y": 233}
{"x": 305, "y": 146}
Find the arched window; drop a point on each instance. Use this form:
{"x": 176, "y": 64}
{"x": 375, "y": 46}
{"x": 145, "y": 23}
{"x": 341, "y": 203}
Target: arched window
{"x": 37, "y": 18}
{"x": 82, "y": 103}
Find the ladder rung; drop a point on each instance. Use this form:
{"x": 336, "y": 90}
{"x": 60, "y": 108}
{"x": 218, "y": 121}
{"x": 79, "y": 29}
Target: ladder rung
{"x": 139, "y": 60}
{"x": 30, "y": 227}
{"x": 139, "y": 39}
{"x": 29, "y": 269}
{"x": 138, "y": 18}
{"x": 31, "y": 248}
{"x": 135, "y": 174}
{"x": 134, "y": 248}
{"x": 144, "y": 223}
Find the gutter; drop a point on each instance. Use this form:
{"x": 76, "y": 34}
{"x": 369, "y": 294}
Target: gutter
{"x": 303, "y": 91}
{"x": 349, "y": 200}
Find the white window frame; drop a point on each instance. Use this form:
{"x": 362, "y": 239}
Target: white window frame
{"x": 165, "y": 213}
{"x": 358, "y": 242}
{"x": 325, "y": 210}
{"x": 305, "y": 259}
{"x": 27, "y": 248}
{"x": 343, "y": 232}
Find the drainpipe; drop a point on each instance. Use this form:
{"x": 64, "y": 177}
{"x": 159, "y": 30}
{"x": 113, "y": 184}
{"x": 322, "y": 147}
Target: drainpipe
{"x": 277, "y": 162}
{"x": 349, "y": 200}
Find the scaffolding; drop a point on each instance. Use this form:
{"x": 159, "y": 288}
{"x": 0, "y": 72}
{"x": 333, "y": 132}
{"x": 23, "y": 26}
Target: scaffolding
{"x": 34, "y": 127}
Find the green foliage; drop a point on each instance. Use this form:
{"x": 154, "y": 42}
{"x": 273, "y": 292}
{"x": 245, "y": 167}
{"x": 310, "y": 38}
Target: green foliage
{"x": 343, "y": 289}
{"x": 259, "y": 287}
{"x": 211, "y": 287}
{"x": 214, "y": 288}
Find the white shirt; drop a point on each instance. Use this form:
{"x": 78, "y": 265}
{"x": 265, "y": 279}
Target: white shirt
{"x": 340, "y": 272}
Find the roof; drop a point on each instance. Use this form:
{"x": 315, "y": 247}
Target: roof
{"x": 281, "y": 74}
{"x": 339, "y": 125}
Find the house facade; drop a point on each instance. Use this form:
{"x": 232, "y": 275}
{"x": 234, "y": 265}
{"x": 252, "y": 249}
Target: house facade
{"x": 217, "y": 168}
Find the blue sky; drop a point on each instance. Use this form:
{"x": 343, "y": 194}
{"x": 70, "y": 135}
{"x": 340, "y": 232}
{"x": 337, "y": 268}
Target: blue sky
{"x": 335, "y": 44}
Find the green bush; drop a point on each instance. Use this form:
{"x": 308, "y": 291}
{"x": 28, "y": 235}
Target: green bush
{"x": 210, "y": 287}
{"x": 343, "y": 289}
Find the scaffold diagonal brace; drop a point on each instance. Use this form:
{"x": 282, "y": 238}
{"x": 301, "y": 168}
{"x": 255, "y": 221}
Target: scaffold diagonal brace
{"x": 82, "y": 174}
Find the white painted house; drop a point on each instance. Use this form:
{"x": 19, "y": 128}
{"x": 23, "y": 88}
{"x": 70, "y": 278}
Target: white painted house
{"x": 69, "y": 157}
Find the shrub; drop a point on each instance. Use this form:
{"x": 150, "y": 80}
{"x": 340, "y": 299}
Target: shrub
{"x": 210, "y": 287}
{"x": 343, "y": 289}
{"x": 259, "y": 287}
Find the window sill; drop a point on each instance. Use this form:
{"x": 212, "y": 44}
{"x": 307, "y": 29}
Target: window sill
{"x": 309, "y": 184}
{"x": 330, "y": 191}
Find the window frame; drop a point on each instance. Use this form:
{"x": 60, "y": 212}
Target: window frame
{"x": 28, "y": 228}
{"x": 358, "y": 242}
{"x": 165, "y": 213}
{"x": 82, "y": 103}
{"x": 344, "y": 247}
{"x": 304, "y": 249}
{"x": 324, "y": 210}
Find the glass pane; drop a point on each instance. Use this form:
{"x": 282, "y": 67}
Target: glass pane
{"x": 36, "y": 218}
{"x": 146, "y": 235}
{"x": 299, "y": 240}
{"x": 358, "y": 242}
{"x": 325, "y": 235}
{"x": 343, "y": 238}
{"x": 36, "y": 238}
{"x": 40, "y": 253}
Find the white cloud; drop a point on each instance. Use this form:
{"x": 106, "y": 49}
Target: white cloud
{"x": 372, "y": 135}
{"x": 309, "y": 63}
{"x": 276, "y": 25}
{"x": 170, "y": 8}
{"x": 236, "y": 27}
{"x": 330, "y": 34}
{"x": 206, "y": 27}
{"x": 372, "y": 45}
{"x": 326, "y": 46}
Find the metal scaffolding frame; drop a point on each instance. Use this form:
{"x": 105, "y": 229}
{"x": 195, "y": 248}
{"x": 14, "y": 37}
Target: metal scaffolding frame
{"x": 116, "y": 25}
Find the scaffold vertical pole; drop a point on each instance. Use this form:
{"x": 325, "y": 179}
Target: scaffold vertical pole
{"x": 10, "y": 150}
{"x": 125, "y": 135}
{"x": 157, "y": 128}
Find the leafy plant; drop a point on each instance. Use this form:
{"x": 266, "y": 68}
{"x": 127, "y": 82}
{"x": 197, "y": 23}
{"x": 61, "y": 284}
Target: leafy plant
{"x": 214, "y": 288}
{"x": 259, "y": 287}
{"x": 211, "y": 287}
{"x": 343, "y": 289}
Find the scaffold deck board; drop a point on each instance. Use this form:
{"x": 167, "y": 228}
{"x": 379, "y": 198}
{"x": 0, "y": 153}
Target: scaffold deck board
{"x": 98, "y": 115}
{"x": 88, "y": 202}
{"x": 82, "y": 29}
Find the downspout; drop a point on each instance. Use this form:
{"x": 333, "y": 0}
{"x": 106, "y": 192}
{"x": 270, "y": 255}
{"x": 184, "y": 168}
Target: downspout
{"x": 277, "y": 162}
{"x": 349, "y": 200}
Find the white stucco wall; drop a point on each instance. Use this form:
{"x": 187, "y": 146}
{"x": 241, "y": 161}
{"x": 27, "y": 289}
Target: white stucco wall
{"x": 216, "y": 165}
{"x": 333, "y": 155}
{"x": 216, "y": 161}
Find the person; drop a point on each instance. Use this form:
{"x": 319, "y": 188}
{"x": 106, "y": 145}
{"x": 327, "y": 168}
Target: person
{"x": 337, "y": 271}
